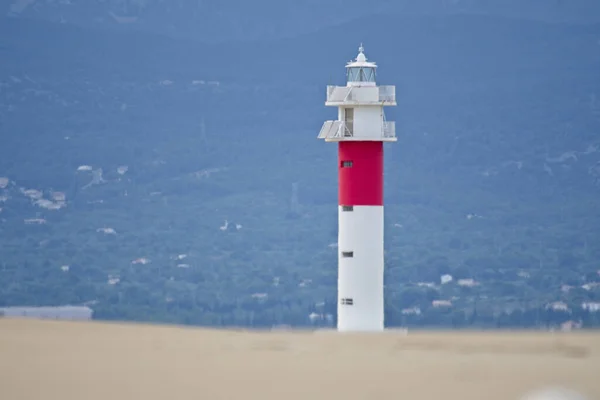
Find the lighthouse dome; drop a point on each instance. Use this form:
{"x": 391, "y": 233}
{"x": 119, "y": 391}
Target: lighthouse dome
{"x": 361, "y": 57}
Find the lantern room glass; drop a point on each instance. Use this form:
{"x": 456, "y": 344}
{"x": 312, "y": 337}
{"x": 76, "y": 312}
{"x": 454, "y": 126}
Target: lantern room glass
{"x": 361, "y": 74}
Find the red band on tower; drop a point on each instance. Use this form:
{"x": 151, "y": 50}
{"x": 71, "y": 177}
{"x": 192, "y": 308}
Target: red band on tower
{"x": 360, "y": 173}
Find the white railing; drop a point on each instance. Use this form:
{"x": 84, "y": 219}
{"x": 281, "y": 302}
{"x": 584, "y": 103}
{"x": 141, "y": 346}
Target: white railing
{"x": 338, "y": 94}
{"x": 389, "y": 129}
{"x": 387, "y": 93}
{"x": 361, "y": 94}
{"x": 334, "y": 129}
{"x": 340, "y": 130}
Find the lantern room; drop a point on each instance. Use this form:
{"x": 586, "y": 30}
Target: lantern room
{"x": 361, "y": 72}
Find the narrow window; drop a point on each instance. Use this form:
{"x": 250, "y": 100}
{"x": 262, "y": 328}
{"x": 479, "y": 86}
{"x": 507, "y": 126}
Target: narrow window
{"x": 348, "y": 121}
{"x": 347, "y": 164}
{"x": 347, "y": 302}
{"x": 347, "y": 208}
{"x": 347, "y": 254}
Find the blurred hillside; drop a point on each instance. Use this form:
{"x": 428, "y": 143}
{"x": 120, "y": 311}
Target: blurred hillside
{"x": 150, "y": 177}
{"x": 224, "y": 20}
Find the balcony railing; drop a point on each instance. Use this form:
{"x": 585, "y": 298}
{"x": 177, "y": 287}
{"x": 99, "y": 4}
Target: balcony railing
{"x": 334, "y": 130}
{"x": 385, "y": 95}
{"x": 340, "y": 130}
{"x": 389, "y": 129}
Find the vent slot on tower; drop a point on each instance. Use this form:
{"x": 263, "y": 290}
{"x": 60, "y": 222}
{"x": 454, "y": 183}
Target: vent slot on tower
{"x": 347, "y": 208}
{"x": 347, "y": 164}
{"x": 347, "y": 254}
{"x": 347, "y": 302}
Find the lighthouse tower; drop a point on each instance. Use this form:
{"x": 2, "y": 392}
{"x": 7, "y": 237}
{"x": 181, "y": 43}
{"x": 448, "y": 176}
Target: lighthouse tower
{"x": 360, "y": 131}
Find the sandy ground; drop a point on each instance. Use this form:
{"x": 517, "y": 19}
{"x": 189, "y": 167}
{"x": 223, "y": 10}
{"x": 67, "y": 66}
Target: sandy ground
{"x": 57, "y": 360}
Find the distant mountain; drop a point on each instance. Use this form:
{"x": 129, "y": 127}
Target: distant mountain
{"x": 223, "y": 20}
{"x": 150, "y": 177}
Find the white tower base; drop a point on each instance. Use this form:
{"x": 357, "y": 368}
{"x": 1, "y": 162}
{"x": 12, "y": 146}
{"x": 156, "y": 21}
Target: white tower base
{"x": 360, "y": 268}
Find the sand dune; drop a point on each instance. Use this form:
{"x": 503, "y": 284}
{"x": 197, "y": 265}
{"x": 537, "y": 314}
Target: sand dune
{"x": 59, "y": 360}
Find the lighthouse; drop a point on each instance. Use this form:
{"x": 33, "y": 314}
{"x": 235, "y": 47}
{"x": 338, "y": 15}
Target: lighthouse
{"x": 360, "y": 131}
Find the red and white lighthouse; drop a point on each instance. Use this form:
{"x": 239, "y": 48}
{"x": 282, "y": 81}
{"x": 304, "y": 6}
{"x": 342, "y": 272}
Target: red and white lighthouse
{"x": 360, "y": 131}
